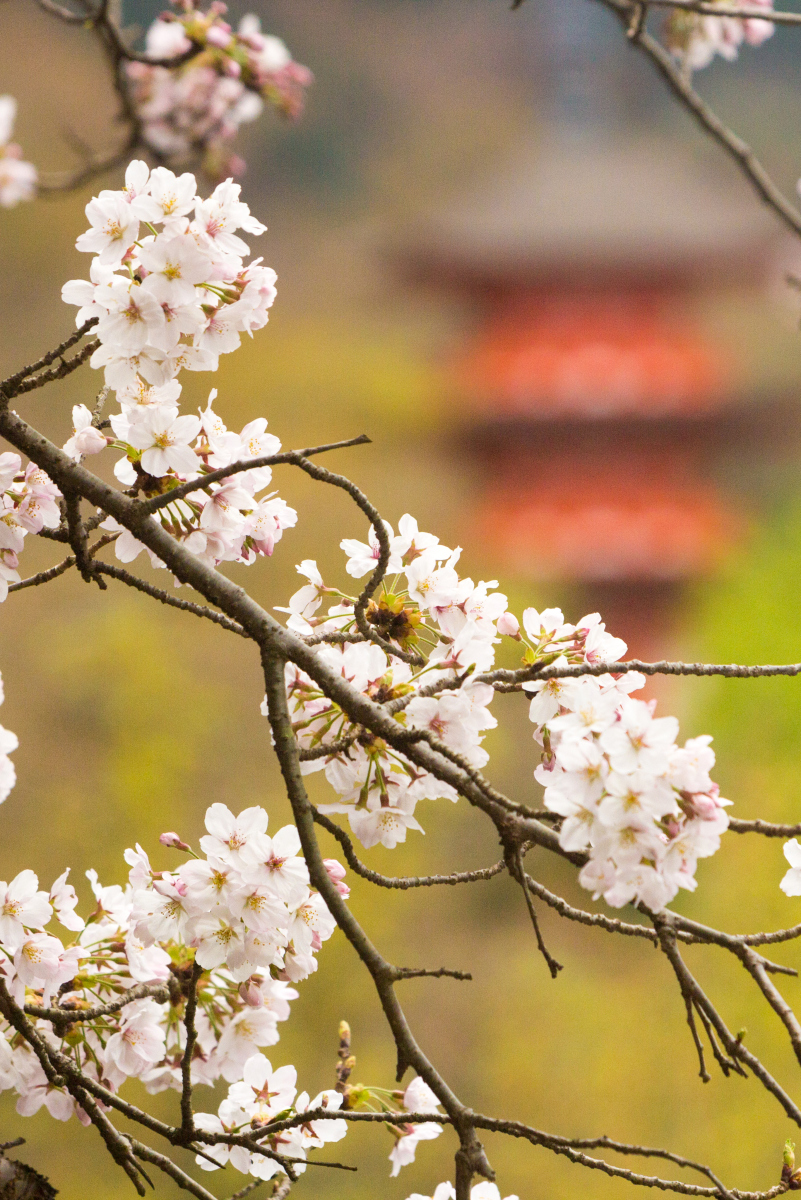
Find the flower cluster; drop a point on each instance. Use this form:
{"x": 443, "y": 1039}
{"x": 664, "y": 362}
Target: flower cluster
{"x": 177, "y": 297}
{"x": 199, "y": 104}
{"x": 8, "y": 743}
{"x": 417, "y": 1098}
{"x": 261, "y": 1096}
{"x": 17, "y": 178}
{"x": 223, "y": 522}
{"x": 454, "y": 619}
{"x": 28, "y": 504}
{"x": 241, "y": 919}
{"x": 696, "y": 38}
{"x": 645, "y": 809}
{"x": 176, "y": 294}
{"x": 479, "y": 1191}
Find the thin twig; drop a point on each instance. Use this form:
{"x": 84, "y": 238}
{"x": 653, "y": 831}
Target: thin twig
{"x": 163, "y": 597}
{"x": 65, "y": 367}
{"x": 166, "y": 1165}
{"x": 401, "y": 882}
{"x": 409, "y": 1053}
{"x": 766, "y": 828}
{"x": 599, "y": 920}
{"x": 515, "y": 864}
{"x": 8, "y": 386}
{"x": 739, "y": 150}
{"x": 44, "y": 576}
{"x": 376, "y": 520}
{"x": 439, "y": 973}
{"x": 251, "y": 1187}
{"x": 575, "y": 670}
{"x": 747, "y": 12}
{"x": 293, "y": 457}
{"x": 68, "y": 1016}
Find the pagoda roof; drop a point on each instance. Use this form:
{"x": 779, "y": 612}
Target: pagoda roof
{"x": 587, "y": 531}
{"x": 581, "y": 209}
{"x": 593, "y": 361}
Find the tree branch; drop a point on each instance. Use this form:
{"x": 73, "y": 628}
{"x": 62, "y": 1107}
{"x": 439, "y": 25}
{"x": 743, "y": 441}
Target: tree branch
{"x": 739, "y": 150}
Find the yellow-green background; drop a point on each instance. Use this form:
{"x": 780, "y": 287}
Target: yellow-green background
{"x": 132, "y": 718}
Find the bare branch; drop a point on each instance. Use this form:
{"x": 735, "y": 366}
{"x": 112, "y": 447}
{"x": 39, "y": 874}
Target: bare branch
{"x": 65, "y": 367}
{"x": 165, "y": 598}
{"x": 574, "y": 671}
{"x": 187, "y": 1116}
{"x": 79, "y": 540}
{"x": 68, "y": 1016}
{"x": 766, "y": 828}
{"x": 166, "y": 1165}
{"x": 515, "y": 865}
{"x": 409, "y": 1053}
{"x": 294, "y": 457}
{"x": 748, "y": 12}
{"x": 9, "y": 385}
{"x": 610, "y": 924}
{"x": 256, "y": 1183}
{"x": 420, "y": 973}
{"x": 739, "y": 150}
{"x": 44, "y": 576}
{"x": 411, "y": 881}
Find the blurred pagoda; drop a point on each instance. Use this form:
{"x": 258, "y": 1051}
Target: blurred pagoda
{"x": 608, "y": 385}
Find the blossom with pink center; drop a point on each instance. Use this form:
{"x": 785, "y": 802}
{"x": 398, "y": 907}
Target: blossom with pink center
{"x": 133, "y": 318}
{"x": 18, "y": 179}
{"x": 364, "y": 558}
{"x": 37, "y": 959}
{"x": 164, "y": 439}
{"x": 64, "y": 901}
{"x": 115, "y": 228}
{"x": 311, "y": 923}
{"x": 178, "y": 262}
{"x": 386, "y": 825}
{"x": 262, "y": 1091}
{"x": 405, "y": 1148}
{"x": 275, "y": 862}
{"x": 22, "y": 906}
{"x": 228, "y": 835}
{"x": 317, "y": 1133}
{"x": 139, "y": 1043}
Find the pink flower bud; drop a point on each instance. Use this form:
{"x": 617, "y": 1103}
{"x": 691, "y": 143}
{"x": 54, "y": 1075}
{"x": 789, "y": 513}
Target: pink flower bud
{"x": 336, "y": 873}
{"x": 251, "y": 994}
{"x": 172, "y": 840}
{"x": 509, "y": 625}
{"x": 705, "y": 807}
{"x": 317, "y": 941}
{"x": 220, "y": 36}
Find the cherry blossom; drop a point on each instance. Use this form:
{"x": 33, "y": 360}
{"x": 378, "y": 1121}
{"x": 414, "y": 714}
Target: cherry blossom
{"x": 645, "y": 809}
{"x": 479, "y": 1191}
{"x": 201, "y": 103}
{"x": 18, "y": 179}
{"x": 697, "y": 38}
{"x": 85, "y": 439}
{"x": 791, "y": 881}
